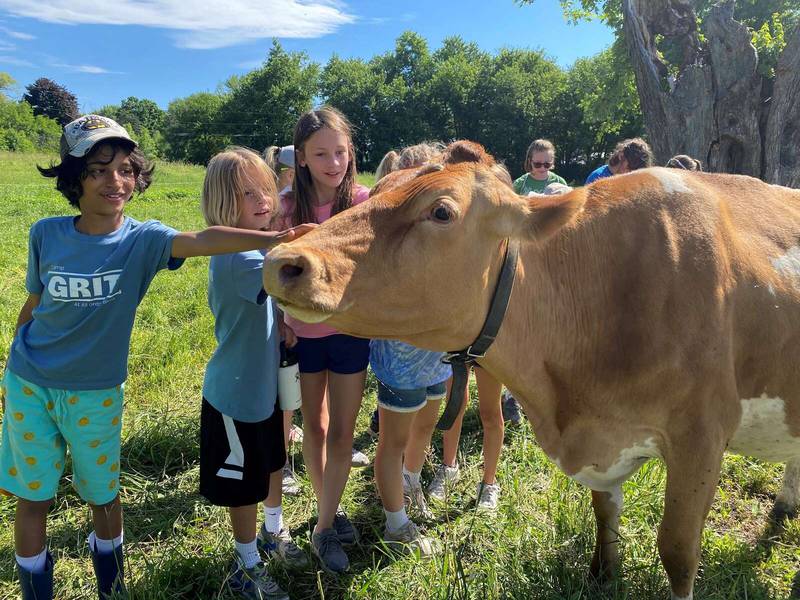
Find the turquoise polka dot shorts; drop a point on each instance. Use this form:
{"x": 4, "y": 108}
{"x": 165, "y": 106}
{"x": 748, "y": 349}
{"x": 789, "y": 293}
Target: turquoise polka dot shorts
{"x": 40, "y": 424}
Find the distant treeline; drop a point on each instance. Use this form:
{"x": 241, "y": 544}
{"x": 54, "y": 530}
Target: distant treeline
{"x": 502, "y": 100}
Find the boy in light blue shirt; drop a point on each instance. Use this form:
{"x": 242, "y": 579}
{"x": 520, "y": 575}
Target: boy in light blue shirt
{"x": 63, "y": 386}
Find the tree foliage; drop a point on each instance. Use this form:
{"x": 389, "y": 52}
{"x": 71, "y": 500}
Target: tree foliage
{"x": 410, "y": 94}
{"x": 51, "y": 100}
{"x": 262, "y": 107}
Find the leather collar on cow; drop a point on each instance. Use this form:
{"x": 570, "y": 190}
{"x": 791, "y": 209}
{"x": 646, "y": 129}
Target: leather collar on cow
{"x": 462, "y": 359}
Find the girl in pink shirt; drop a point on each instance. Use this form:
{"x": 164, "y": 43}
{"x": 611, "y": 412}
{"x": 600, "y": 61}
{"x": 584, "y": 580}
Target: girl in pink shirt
{"x": 332, "y": 365}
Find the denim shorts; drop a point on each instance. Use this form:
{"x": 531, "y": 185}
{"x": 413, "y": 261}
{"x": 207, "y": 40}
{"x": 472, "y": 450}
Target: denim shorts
{"x": 339, "y": 353}
{"x": 398, "y": 400}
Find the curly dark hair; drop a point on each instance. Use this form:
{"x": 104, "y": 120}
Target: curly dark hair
{"x": 71, "y": 171}
{"x": 635, "y": 151}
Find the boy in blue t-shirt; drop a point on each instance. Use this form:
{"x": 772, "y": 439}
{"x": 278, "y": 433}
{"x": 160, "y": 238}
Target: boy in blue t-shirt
{"x": 63, "y": 386}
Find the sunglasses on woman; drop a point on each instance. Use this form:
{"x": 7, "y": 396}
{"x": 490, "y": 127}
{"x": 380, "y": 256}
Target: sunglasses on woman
{"x": 539, "y": 165}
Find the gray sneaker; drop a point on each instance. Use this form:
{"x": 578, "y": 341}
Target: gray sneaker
{"x": 409, "y": 539}
{"x": 328, "y": 549}
{"x": 359, "y": 459}
{"x": 443, "y": 479}
{"x": 414, "y": 499}
{"x": 279, "y": 546}
{"x": 510, "y": 409}
{"x": 289, "y": 483}
{"x": 254, "y": 583}
{"x": 345, "y": 529}
{"x": 488, "y": 496}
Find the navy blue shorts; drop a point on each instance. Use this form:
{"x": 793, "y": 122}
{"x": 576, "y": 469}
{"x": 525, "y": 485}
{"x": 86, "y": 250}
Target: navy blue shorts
{"x": 339, "y": 353}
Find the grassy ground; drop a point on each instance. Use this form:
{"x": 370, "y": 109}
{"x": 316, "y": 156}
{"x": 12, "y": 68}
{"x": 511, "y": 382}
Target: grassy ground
{"x": 538, "y": 546}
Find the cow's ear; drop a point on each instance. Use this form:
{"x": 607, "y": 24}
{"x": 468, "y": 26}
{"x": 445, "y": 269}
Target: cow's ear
{"x": 537, "y": 218}
{"x": 466, "y": 151}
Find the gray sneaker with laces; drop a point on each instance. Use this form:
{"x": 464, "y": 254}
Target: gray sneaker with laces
{"x": 254, "y": 583}
{"x": 409, "y": 539}
{"x": 279, "y": 546}
{"x": 289, "y": 483}
{"x": 443, "y": 479}
{"x": 414, "y": 498}
{"x": 488, "y": 496}
{"x": 328, "y": 549}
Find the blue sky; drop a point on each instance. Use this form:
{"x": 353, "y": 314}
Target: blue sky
{"x": 104, "y": 52}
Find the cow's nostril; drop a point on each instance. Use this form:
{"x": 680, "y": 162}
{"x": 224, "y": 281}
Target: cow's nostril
{"x": 290, "y": 272}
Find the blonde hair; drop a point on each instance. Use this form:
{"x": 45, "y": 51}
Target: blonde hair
{"x": 227, "y": 176}
{"x": 419, "y": 154}
{"x": 387, "y": 165}
{"x": 540, "y": 145}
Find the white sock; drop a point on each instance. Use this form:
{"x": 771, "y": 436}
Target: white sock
{"x": 102, "y": 546}
{"x": 33, "y": 564}
{"x": 395, "y": 520}
{"x": 248, "y": 553}
{"x": 411, "y": 477}
{"x": 273, "y": 518}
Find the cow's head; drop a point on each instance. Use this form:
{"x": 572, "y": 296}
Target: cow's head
{"x": 419, "y": 260}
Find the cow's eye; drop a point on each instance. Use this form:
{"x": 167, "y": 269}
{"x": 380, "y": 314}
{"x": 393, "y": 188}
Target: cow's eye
{"x": 442, "y": 214}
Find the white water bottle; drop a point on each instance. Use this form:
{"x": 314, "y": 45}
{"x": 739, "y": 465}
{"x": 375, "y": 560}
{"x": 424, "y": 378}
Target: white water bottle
{"x": 289, "y": 397}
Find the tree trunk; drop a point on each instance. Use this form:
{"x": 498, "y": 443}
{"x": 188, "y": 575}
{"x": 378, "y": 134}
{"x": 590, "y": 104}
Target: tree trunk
{"x": 782, "y": 139}
{"x": 713, "y": 108}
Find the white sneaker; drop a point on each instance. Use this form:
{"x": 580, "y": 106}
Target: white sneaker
{"x": 296, "y": 434}
{"x": 359, "y": 459}
{"x": 488, "y": 496}
{"x": 409, "y": 539}
{"x": 443, "y": 479}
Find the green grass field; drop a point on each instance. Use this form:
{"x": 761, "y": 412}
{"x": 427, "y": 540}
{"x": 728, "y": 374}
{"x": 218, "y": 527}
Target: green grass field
{"x": 538, "y": 546}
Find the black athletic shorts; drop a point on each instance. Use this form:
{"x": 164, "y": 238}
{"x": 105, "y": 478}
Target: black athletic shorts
{"x": 237, "y": 458}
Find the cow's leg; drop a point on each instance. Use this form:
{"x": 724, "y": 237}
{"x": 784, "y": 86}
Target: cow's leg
{"x": 607, "y": 508}
{"x": 788, "y": 499}
{"x": 692, "y": 477}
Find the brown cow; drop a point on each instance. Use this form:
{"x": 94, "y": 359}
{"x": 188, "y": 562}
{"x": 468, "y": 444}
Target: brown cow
{"x": 655, "y": 314}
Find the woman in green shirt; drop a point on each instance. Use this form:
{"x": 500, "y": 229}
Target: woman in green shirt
{"x": 539, "y": 159}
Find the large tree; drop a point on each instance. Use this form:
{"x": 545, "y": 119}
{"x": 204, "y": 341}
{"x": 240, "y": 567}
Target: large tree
{"x": 51, "y": 100}
{"x": 262, "y": 107}
{"x": 719, "y": 81}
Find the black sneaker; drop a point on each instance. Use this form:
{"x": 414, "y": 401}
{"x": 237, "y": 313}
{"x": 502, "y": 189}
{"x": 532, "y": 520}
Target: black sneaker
{"x": 348, "y": 535}
{"x": 328, "y": 549}
{"x": 374, "y": 424}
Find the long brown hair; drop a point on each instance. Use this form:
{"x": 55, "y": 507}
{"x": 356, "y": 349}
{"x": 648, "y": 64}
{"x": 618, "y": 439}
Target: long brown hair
{"x": 303, "y": 186}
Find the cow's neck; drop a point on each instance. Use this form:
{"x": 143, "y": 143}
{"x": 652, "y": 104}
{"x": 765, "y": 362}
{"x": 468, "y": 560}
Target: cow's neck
{"x": 546, "y": 335}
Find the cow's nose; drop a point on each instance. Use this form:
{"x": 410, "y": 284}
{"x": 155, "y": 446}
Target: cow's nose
{"x": 291, "y": 268}
{"x": 291, "y": 272}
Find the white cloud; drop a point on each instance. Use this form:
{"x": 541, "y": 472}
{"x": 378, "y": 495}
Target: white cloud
{"x": 17, "y": 62}
{"x": 198, "y": 24}
{"x": 17, "y": 34}
{"x": 85, "y": 69}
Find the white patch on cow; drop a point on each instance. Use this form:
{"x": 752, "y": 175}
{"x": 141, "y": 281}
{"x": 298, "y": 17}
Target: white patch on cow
{"x": 788, "y": 265}
{"x": 763, "y": 432}
{"x": 611, "y": 480}
{"x": 671, "y": 180}
{"x": 790, "y": 491}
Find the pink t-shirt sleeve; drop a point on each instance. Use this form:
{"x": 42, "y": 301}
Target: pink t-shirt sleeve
{"x": 323, "y": 213}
